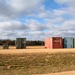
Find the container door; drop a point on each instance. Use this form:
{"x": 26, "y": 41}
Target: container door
{"x": 65, "y": 43}
{"x": 70, "y": 43}
{"x": 18, "y": 43}
{"x": 57, "y": 43}
{"x": 74, "y": 42}
{"x": 23, "y": 43}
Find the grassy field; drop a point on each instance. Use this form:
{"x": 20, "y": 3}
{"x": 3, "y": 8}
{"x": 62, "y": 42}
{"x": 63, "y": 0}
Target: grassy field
{"x": 27, "y": 47}
{"x": 34, "y": 49}
{"x": 36, "y": 63}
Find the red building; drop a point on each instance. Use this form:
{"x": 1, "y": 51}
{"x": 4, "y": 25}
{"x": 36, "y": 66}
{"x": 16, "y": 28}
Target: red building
{"x": 54, "y": 42}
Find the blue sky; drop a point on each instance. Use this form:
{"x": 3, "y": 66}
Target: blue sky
{"x": 37, "y": 19}
{"x": 51, "y": 4}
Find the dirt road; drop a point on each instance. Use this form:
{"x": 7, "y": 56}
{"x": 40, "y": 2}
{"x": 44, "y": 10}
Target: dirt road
{"x": 61, "y": 73}
{"x": 33, "y": 49}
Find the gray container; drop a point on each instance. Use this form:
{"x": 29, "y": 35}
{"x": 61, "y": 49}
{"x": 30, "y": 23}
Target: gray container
{"x": 21, "y": 43}
{"x": 74, "y": 42}
{"x": 18, "y": 43}
{"x": 68, "y": 42}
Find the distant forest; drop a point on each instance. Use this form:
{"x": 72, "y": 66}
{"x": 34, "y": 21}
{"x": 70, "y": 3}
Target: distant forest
{"x": 28, "y": 43}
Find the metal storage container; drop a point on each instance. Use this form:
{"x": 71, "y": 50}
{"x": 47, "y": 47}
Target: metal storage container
{"x": 5, "y": 46}
{"x": 68, "y": 42}
{"x": 57, "y": 42}
{"x": 20, "y": 43}
{"x": 23, "y": 43}
{"x": 74, "y": 42}
{"x": 48, "y": 43}
{"x": 53, "y": 42}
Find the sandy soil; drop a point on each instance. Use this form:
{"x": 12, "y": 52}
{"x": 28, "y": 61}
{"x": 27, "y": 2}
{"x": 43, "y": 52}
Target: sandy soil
{"x": 33, "y": 49}
{"x": 61, "y": 73}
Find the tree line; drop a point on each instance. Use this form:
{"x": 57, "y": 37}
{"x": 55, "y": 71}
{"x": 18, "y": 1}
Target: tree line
{"x": 28, "y": 43}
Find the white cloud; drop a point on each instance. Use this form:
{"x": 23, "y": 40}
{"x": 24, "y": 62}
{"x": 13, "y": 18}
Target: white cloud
{"x": 10, "y": 9}
{"x": 69, "y": 25}
{"x": 55, "y": 13}
{"x": 55, "y": 20}
{"x": 21, "y": 5}
{"x": 12, "y": 25}
{"x": 45, "y": 14}
{"x": 59, "y": 12}
{"x": 63, "y": 1}
{"x": 70, "y": 6}
{"x": 35, "y": 30}
{"x": 35, "y": 25}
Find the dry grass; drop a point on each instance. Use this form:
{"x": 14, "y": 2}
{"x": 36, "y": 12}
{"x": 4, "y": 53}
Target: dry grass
{"x": 33, "y": 49}
{"x": 32, "y": 63}
{"x": 28, "y": 47}
{"x": 35, "y": 60}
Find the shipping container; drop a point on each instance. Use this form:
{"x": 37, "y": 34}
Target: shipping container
{"x": 54, "y": 42}
{"x": 23, "y": 43}
{"x": 68, "y": 42}
{"x": 57, "y": 42}
{"x": 5, "y": 46}
{"x": 20, "y": 43}
{"x": 74, "y": 42}
{"x": 48, "y": 43}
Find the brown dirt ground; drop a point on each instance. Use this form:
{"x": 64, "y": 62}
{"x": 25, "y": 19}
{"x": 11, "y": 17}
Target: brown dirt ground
{"x": 33, "y": 49}
{"x": 61, "y": 73}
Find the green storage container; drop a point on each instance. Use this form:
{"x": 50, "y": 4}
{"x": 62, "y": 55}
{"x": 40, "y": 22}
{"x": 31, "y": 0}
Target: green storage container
{"x": 5, "y": 46}
{"x": 74, "y": 42}
{"x": 21, "y": 43}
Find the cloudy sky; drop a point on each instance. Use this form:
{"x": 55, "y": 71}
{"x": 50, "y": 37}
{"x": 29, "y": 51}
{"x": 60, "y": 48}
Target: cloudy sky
{"x": 37, "y": 19}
